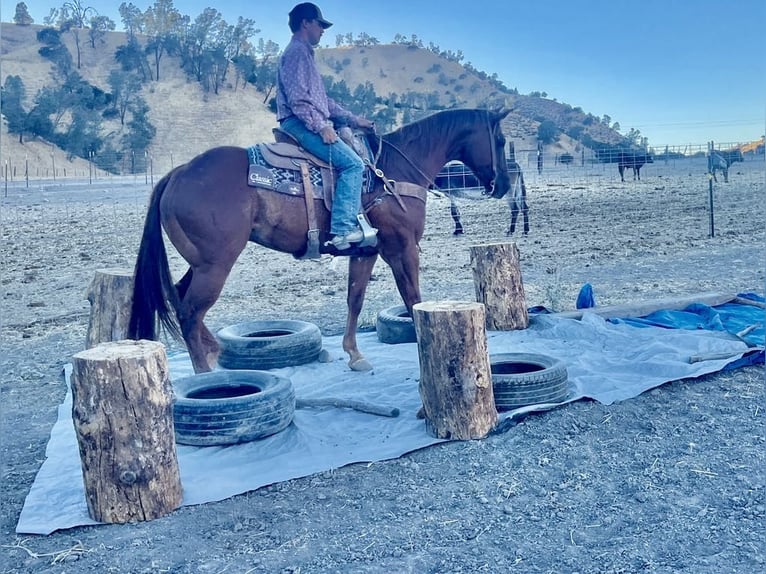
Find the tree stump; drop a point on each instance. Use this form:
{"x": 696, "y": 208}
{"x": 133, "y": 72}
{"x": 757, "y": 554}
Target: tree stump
{"x": 498, "y": 284}
{"x": 455, "y": 377}
{"x": 123, "y": 418}
{"x": 111, "y": 296}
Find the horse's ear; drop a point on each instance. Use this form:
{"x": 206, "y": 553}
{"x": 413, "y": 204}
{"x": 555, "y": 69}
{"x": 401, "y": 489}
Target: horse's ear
{"x": 500, "y": 114}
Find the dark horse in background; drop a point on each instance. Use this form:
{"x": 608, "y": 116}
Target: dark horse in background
{"x": 634, "y": 160}
{"x": 721, "y": 160}
{"x": 209, "y": 213}
{"x": 517, "y": 197}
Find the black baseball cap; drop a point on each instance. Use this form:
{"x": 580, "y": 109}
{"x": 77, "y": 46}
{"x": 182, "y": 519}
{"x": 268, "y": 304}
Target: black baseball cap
{"x": 308, "y": 11}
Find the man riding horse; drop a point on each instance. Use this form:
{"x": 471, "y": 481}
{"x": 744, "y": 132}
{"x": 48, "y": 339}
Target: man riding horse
{"x": 306, "y": 112}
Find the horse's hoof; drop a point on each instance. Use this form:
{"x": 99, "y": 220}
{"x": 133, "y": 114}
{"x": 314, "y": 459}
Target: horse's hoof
{"x": 360, "y": 365}
{"x": 457, "y": 232}
{"x": 324, "y": 356}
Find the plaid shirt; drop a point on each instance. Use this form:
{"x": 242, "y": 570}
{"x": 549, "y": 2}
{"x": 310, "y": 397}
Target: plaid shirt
{"x": 301, "y": 92}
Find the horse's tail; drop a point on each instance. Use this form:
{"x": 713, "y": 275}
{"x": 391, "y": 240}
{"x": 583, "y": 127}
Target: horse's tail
{"x": 154, "y": 294}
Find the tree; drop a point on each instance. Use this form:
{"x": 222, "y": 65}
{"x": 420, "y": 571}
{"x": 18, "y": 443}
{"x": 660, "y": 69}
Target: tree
{"x": 547, "y": 132}
{"x": 162, "y": 23}
{"x": 99, "y": 26}
{"x": 54, "y": 50}
{"x": 125, "y": 88}
{"x": 139, "y": 135}
{"x": 132, "y": 19}
{"x": 22, "y": 17}
{"x": 52, "y": 17}
{"x": 82, "y": 135}
{"x": 131, "y": 57}
{"x": 13, "y": 106}
{"x": 634, "y": 136}
{"x": 39, "y": 122}
{"x": 77, "y": 13}
{"x": 74, "y": 17}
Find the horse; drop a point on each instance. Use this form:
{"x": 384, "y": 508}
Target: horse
{"x": 633, "y": 160}
{"x": 517, "y": 199}
{"x": 722, "y": 160}
{"x": 210, "y": 213}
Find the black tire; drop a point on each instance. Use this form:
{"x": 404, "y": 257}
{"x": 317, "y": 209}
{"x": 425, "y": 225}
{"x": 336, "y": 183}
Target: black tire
{"x": 394, "y": 326}
{"x": 521, "y": 379}
{"x": 263, "y": 345}
{"x": 230, "y": 407}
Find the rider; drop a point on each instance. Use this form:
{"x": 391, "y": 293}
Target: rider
{"x": 306, "y": 112}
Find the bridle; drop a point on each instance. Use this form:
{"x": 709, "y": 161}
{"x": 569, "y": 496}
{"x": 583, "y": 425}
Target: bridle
{"x": 388, "y": 184}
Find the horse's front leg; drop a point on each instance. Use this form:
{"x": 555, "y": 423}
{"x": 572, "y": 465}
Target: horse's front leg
{"x": 455, "y": 213}
{"x": 359, "y": 272}
{"x": 405, "y": 265}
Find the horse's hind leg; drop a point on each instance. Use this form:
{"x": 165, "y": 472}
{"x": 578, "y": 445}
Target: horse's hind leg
{"x": 455, "y": 213}
{"x": 359, "y": 272}
{"x": 202, "y": 291}
{"x": 514, "y": 214}
{"x": 525, "y": 215}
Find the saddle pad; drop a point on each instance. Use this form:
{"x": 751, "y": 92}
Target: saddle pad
{"x": 263, "y": 174}
{"x": 281, "y": 179}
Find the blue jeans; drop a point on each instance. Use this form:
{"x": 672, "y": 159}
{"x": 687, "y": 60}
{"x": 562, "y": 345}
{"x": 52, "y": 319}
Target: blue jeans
{"x": 349, "y": 166}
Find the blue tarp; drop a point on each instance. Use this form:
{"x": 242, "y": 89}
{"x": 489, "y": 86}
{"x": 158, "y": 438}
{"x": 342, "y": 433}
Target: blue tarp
{"x": 732, "y": 318}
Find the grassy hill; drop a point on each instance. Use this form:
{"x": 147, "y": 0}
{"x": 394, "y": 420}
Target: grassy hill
{"x": 189, "y": 120}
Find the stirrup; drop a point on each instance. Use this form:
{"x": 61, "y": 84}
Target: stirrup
{"x": 370, "y": 233}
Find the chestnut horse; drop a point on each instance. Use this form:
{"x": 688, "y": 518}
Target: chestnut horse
{"x": 209, "y": 213}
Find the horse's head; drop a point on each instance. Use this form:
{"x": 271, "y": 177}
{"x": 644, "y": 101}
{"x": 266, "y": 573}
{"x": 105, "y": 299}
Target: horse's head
{"x": 484, "y": 153}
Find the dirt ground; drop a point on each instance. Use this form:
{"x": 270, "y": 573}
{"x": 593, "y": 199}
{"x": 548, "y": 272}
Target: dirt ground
{"x": 671, "y": 481}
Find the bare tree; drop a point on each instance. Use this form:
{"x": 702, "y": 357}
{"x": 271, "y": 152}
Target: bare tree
{"x": 74, "y": 18}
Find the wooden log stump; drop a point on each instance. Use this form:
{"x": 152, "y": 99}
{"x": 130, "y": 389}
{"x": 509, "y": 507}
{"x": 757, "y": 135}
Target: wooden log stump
{"x": 455, "y": 377}
{"x": 498, "y": 284}
{"x": 123, "y": 418}
{"x": 110, "y": 295}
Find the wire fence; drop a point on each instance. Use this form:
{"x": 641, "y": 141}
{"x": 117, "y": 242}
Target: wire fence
{"x": 150, "y": 165}
{"x": 583, "y": 218}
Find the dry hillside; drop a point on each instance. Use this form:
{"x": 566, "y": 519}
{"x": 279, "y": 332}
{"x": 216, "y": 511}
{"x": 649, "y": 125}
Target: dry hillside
{"x": 189, "y": 120}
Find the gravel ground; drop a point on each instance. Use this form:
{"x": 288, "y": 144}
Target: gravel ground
{"x": 671, "y": 481}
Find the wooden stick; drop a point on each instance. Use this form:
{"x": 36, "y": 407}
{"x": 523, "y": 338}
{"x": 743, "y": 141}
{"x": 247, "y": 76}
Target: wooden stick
{"x": 743, "y": 301}
{"x": 643, "y": 309}
{"x": 347, "y": 404}
{"x": 747, "y": 330}
{"x": 721, "y": 355}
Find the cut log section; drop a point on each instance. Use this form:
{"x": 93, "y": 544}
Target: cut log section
{"x": 455, "y": 376}
{"x": 499, "y": 286}
{"x": 110, "y": 295}
{"x": 123, "y": 418}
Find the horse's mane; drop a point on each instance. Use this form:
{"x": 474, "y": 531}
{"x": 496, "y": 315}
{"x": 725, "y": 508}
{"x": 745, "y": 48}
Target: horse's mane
{"x": 437, "y": 123}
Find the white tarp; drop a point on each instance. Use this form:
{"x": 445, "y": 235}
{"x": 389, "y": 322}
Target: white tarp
{"x": 605, "y": 362}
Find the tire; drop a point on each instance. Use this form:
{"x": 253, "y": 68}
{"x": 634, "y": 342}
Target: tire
{"x": 521, "y": 379}
{"x": 230, "y": 407}
{"x": 260, "y": 345}
{"x": 394, "y": 326}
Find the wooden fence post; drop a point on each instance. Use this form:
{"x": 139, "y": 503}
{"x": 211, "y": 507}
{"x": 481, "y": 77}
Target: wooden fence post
{"x": 455, "y": 376}
{"x": 499, "y": 286}
{"x": 123, "y": 418}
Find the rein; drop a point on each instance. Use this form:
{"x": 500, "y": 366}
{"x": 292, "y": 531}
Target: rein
{"x": 494, "y": 159}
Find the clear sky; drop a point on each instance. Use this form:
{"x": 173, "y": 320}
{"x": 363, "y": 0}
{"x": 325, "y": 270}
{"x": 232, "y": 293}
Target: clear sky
{"x": 680, "y": 71}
